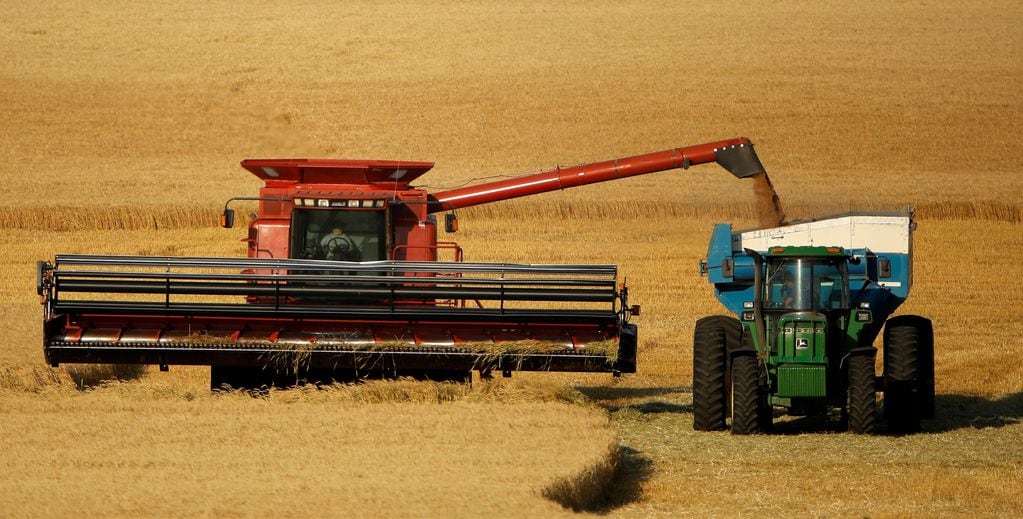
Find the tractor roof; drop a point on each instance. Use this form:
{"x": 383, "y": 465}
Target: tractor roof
{"x": 336, "y": 171}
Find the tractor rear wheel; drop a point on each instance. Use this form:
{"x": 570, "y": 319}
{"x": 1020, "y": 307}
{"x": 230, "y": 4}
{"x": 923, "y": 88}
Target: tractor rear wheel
{"x": 862, "y": 402}
{"x": 746, "y": 399}
{"x": 908, "y": 372}
{"x": 713, "y": 337}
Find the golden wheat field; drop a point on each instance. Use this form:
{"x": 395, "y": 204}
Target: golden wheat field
{"x": 123, "y": 125}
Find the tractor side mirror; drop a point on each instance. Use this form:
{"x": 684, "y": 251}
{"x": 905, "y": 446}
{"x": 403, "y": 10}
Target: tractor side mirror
{"x": 450, "y": 222}
{"x": 227, "y": 219}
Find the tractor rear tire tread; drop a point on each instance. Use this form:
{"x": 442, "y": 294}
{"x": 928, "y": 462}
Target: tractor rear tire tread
{"x": 712, "y": 338}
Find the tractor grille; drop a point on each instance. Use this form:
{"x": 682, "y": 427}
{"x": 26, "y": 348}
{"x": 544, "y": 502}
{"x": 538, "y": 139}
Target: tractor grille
{"x": 802, "y": 380}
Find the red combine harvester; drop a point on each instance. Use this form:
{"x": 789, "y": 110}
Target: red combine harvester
{"x": 346, "y": 279}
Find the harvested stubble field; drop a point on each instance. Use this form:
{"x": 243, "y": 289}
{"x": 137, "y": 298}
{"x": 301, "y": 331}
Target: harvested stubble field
{"x": 124, "y": 124}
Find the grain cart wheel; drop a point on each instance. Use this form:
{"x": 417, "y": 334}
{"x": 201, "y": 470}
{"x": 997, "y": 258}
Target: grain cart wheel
{"x": 926, "y": 363}
{"x": 746, "y": 401}
{"x": 712, "y": 339}
{"x": 862, "y": 402}
{"x": 908, "y": 372}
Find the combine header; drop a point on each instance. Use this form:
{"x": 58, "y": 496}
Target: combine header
{"x": 345, "y": 279}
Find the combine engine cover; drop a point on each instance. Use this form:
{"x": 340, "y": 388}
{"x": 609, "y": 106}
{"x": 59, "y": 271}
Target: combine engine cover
{"x": 382, "y": 318}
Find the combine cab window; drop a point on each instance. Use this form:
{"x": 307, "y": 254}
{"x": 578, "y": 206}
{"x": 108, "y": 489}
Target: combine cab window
{"x": 339, "y": 234}
{"x": 807, "y": 284}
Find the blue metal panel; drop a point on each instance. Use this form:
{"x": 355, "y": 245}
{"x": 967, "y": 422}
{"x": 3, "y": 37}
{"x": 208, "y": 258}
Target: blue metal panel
{"x": 719, "y": 250}
{"x": 884, "y": 294}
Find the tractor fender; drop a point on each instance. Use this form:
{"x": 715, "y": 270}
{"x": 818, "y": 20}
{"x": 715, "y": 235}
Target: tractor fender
{"x": 857, "y": 351}
{"x": 741, "y": 351}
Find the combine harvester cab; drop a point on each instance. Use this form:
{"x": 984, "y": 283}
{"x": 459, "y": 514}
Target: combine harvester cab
{"x": 809, "y": 299}
{"x": 346, "y": 279}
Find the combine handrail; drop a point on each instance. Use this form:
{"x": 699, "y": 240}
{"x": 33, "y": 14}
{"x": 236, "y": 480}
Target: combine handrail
{"x": 305, "y": 264}
{"x": 282, "y": 282}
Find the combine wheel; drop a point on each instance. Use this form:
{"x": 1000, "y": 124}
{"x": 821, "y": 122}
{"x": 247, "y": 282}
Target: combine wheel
{"x": 746, "y": 395}
{"x": 712, "y": 339}
{"x": 862, "y": 403}
{"x": 908, "y": 372}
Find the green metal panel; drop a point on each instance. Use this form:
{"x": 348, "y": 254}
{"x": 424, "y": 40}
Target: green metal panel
{"x": 801, "y": 337}
{"x": 802, "y": 380}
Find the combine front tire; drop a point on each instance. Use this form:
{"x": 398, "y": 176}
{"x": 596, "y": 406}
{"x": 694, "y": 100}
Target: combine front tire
{"x": 713, "y": 338}
{"x": 746, "y": 400}
{"x": 908, "y": 372}
{"x": 862, "y": 403}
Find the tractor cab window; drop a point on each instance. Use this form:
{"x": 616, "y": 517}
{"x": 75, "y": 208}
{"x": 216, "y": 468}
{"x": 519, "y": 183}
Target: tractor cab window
{"x": 807, "y": 284}
{"x": 338, "y": 234}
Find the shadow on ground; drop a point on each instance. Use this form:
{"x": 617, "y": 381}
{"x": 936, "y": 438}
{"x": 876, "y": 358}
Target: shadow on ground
{"x": 641, "y": 399}
{"x": 627, "y": 486}
{"x": 967, "y": 411}
{"x": 952, "y": 411}
{"x": 86, "y": 376}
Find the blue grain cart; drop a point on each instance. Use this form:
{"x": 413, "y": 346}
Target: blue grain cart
{"x": 808, "y": 300}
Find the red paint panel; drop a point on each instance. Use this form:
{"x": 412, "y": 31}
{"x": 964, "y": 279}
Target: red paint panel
{"x": 559, "y": 178}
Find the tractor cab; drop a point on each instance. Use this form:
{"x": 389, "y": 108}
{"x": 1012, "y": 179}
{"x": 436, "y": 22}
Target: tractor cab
{"x": 806, "y": 279}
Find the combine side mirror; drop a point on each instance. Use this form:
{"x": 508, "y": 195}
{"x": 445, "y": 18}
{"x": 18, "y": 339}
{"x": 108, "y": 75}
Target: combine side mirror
{"x": 227, "y": 219}
{"x": 450, "y": 222}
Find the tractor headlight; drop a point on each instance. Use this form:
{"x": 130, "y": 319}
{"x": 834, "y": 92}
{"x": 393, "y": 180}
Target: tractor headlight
{"x": 863, "y": 316}
{"x": 747, "y": 304}
{"x": 748, "y": 315}
{"x": 865, "y": 305}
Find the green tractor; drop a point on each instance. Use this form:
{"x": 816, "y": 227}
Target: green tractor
{"x": 809, "y": 299}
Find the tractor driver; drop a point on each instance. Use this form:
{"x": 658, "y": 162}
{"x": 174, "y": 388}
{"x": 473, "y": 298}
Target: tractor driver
{"x": 339, "y": 246}
{"x": 788, "y": 291}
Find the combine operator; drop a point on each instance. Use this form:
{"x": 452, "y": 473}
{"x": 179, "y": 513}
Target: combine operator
{"x": 338, "y": 246}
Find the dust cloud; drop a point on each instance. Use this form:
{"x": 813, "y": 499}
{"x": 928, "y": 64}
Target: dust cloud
{"x": 768, "y": 205}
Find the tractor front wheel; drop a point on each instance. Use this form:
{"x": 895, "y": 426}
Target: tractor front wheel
{"x": 862, "y": 402}
{"x": 746, "y": 398}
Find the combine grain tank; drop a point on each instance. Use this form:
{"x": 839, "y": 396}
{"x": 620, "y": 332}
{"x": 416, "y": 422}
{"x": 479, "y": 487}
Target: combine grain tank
{"x": 345, "y": 278}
